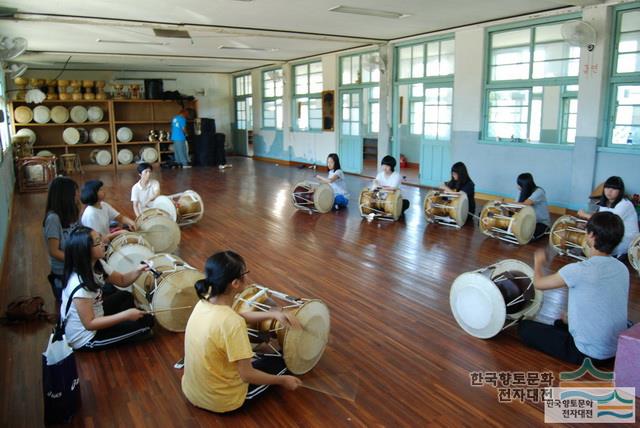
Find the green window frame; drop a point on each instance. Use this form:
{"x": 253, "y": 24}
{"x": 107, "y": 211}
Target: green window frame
{"x": 243, "y": 101}
{"x": 307, "y": 96}
{"x": 623, "y": 114}
{"x": 361, "y": 70}
{"x": 428, "y": 67}
{"x": 528, "y": 67}
{"x": 272, "y": 93}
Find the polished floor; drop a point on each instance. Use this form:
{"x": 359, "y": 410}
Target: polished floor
{"x": 396, "y": 356}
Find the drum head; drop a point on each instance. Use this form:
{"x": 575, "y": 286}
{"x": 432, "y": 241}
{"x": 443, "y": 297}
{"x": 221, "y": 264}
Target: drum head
{"x": 165, "y": 204}
{"x": 125, "y": 156}
{"x": 149, "y": 154}
{"x": 477, "y": 305}
{"x": 41, "y": 114}
{"x": 323, "y": 198}
{"x": 99, "y": 136}
{"x": 303, "y": 348}
{"x": 524, "y": 224}
{"x": 102, "y": 157}
{"x": 395, "y": 197}
{"x": 59, "y": 114}
{"x": 45, "y": 153}
{"x": 176, "y": 290}
{"x": 71, "y": 136}
{"x": 460, "y": 207}
{"x": 95, "y": 114}
{"x": 124, "y": 134}
{"x": 634, "y": 253}
{"x": 23, "y": 114}
{"x": 159, "y": 229}
{"x": 128, "y": 257}
{"x": 78, "y": 114}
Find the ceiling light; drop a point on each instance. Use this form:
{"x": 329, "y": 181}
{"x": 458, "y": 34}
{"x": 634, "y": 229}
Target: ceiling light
{"x": 247, "y": 48}
{"x": 132, "y": 42}
{"x": 369, "y": 12}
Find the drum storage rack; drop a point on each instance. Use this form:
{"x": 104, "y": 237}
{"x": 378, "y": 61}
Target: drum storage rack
{"x": 140, "y": 116}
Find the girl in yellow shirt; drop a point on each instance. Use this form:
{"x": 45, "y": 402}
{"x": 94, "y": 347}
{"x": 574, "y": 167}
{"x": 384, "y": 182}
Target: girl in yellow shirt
{"x": 219, "y": 374}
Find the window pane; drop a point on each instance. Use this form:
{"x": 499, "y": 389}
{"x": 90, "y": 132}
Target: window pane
{"x": 630, "y": 21}
{"x": 510, "y": 72}
{"x": 279, "y": 114}
{"x": 416, "y": 90}
{"x": 446, "y": 95}
{"x": 355, "y": 128}
{"x": 302, "y": 113}
{"x": 417, "y": 62}
{"x": 556, "y": 68}
{"x": 548, "y": 33}
{"x": 375, "y": 117}
{"x": 433, "y": 59}
{"x": 315, "y": 67}
{"x": 536, "y": 120}
{"x": 508, "y": 114}
{"x": 346, "y": 71}
{"x": 302, "y": 84}
{"x": 431, "y": 131}
{"x": 355, "y": 69}
{"x": 374, "y": 92}
{"x": 300, "y": 70}
{"x": 628, "y": 63}
{"x": 404, "y": 62}
{"x": 511, "y": 38}
{"x": 346, "y": 127}
{"x": 629, "y": 42}
{"x": 315, "y": 83}
{"x": 444, "y": 131}
{"x": 416, "y": 117}
{"x": 431, "y": 96}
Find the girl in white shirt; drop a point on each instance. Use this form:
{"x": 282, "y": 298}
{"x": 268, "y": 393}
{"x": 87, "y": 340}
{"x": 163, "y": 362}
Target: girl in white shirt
{"x": 614, "y": 200}
{"x": 389, "y": 179}
{"x": 98, "y": 214}
{"x": 336, "y": 180}
{"x": 145, "y": 190}
{"x": 90, "y": 321}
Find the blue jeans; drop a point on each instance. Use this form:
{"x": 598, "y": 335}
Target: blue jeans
{"x": 340, "y": 201}
{"x": 180, "y": 150}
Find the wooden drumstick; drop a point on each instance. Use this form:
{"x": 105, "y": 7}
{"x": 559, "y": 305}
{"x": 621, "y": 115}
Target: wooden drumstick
{"x": 168, "y": 310}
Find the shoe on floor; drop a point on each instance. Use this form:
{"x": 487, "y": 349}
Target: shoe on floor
{"x": 220, "y": 166}
{"x": 186, "y": 166}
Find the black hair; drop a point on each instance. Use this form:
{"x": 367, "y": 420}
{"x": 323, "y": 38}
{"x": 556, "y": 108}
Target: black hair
{"x": 144, "y": 166}
{"x": 220, "y": 270}
{"x": 608, "y": 230}
{"x": 389, "y": 160}
{"x": 463, "y": 176}
{"x": 77, "y": 258}
{"x": 336, "y": 161}
{"x": 61, "y": 200}
{"x": 613, "y": 182}
{"x": 89, "y": 192}
{"x": 527, "y": 186}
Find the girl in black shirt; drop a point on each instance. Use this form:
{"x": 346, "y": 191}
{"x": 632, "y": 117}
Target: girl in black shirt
{"x": 461, "y": 182}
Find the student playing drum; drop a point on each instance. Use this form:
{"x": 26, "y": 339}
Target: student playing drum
{"x": 614, "y": 200}
{"x": 91, "y": 321}
{"x": 336, "y": 180}
{"x": 98, "y": 214}
{"x": 220, "y": 373}
{"x": 389, "y": 179}
{"x": 598, "y": 296}
{"x": 145, "y": 190}
{"x": 461, "y": 182}
{"x": 532, "y": 195}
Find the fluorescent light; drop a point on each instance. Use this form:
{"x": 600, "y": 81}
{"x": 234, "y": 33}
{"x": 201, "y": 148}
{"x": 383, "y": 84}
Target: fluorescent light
{"x": 248, "y": 48}
{"x": 132, "y": 42}
{"x": 369, "y": 12}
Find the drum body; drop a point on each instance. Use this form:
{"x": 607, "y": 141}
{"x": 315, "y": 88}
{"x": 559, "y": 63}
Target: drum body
{"x": 569, "y": 237}
{"x": 171, "y": 295}
{"x": 127, "y": 250}
{"x": 488, "y": 300}
{"x": 634, "y": 253}
{"x": 189, "y": 207}
{"x": 300, "y": 348}
{"x": 75, "y": 136}
{"x": 379, "y": 203}
{"x": 157, "y": 227}
{"x": 69, "y": 161}
{"x": 312, "y": 197}
{"x": 447, "y": 208}
{"x": 513, "y": 223}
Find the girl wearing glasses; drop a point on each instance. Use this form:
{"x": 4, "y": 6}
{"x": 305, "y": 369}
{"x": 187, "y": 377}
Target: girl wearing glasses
{"x": 92, "y": 322}
{"x": 219, "y": 373}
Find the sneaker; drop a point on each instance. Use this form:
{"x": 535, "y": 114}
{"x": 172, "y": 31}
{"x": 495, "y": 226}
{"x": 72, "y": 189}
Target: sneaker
{"x": 220, "y": 166}
{"x": 186, "y": 166}
{"x": 336, "y": 207}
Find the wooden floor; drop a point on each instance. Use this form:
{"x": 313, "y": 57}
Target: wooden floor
{"x": 386, "y": 284}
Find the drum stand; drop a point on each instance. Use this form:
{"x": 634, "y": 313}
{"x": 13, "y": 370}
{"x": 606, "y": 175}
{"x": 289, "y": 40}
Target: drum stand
{"x": 306, "y": 206}
{"x": 258, "y": 334}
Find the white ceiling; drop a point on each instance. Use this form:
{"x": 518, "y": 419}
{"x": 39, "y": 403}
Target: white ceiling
{"x": 68, "y": 30}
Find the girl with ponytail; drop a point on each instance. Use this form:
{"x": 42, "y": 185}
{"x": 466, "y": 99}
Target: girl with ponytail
{"x": 219, "y": 374}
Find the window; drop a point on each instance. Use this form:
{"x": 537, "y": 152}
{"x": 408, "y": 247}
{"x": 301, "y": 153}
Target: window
{"x": 531, "y": 82}
{"x": 425, "y": 74}
{"x": 624, "y": 122}
{"x": 272, "y": 90}
{"x": 361, "y": 72}
{"x": 360, "y": 69}
{"x": 243, "y": 102}
{"x": 307, "y": 96}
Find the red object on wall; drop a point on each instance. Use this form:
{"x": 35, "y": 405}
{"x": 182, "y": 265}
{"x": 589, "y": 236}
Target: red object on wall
{"x": 403, "y": 161}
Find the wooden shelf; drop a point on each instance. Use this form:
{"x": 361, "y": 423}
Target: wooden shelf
{"x": 141, "y": 115}
{"x": 81, "y": 124}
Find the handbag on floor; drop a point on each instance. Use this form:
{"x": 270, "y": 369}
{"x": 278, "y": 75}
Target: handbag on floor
{"x": 60, "y": 381}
